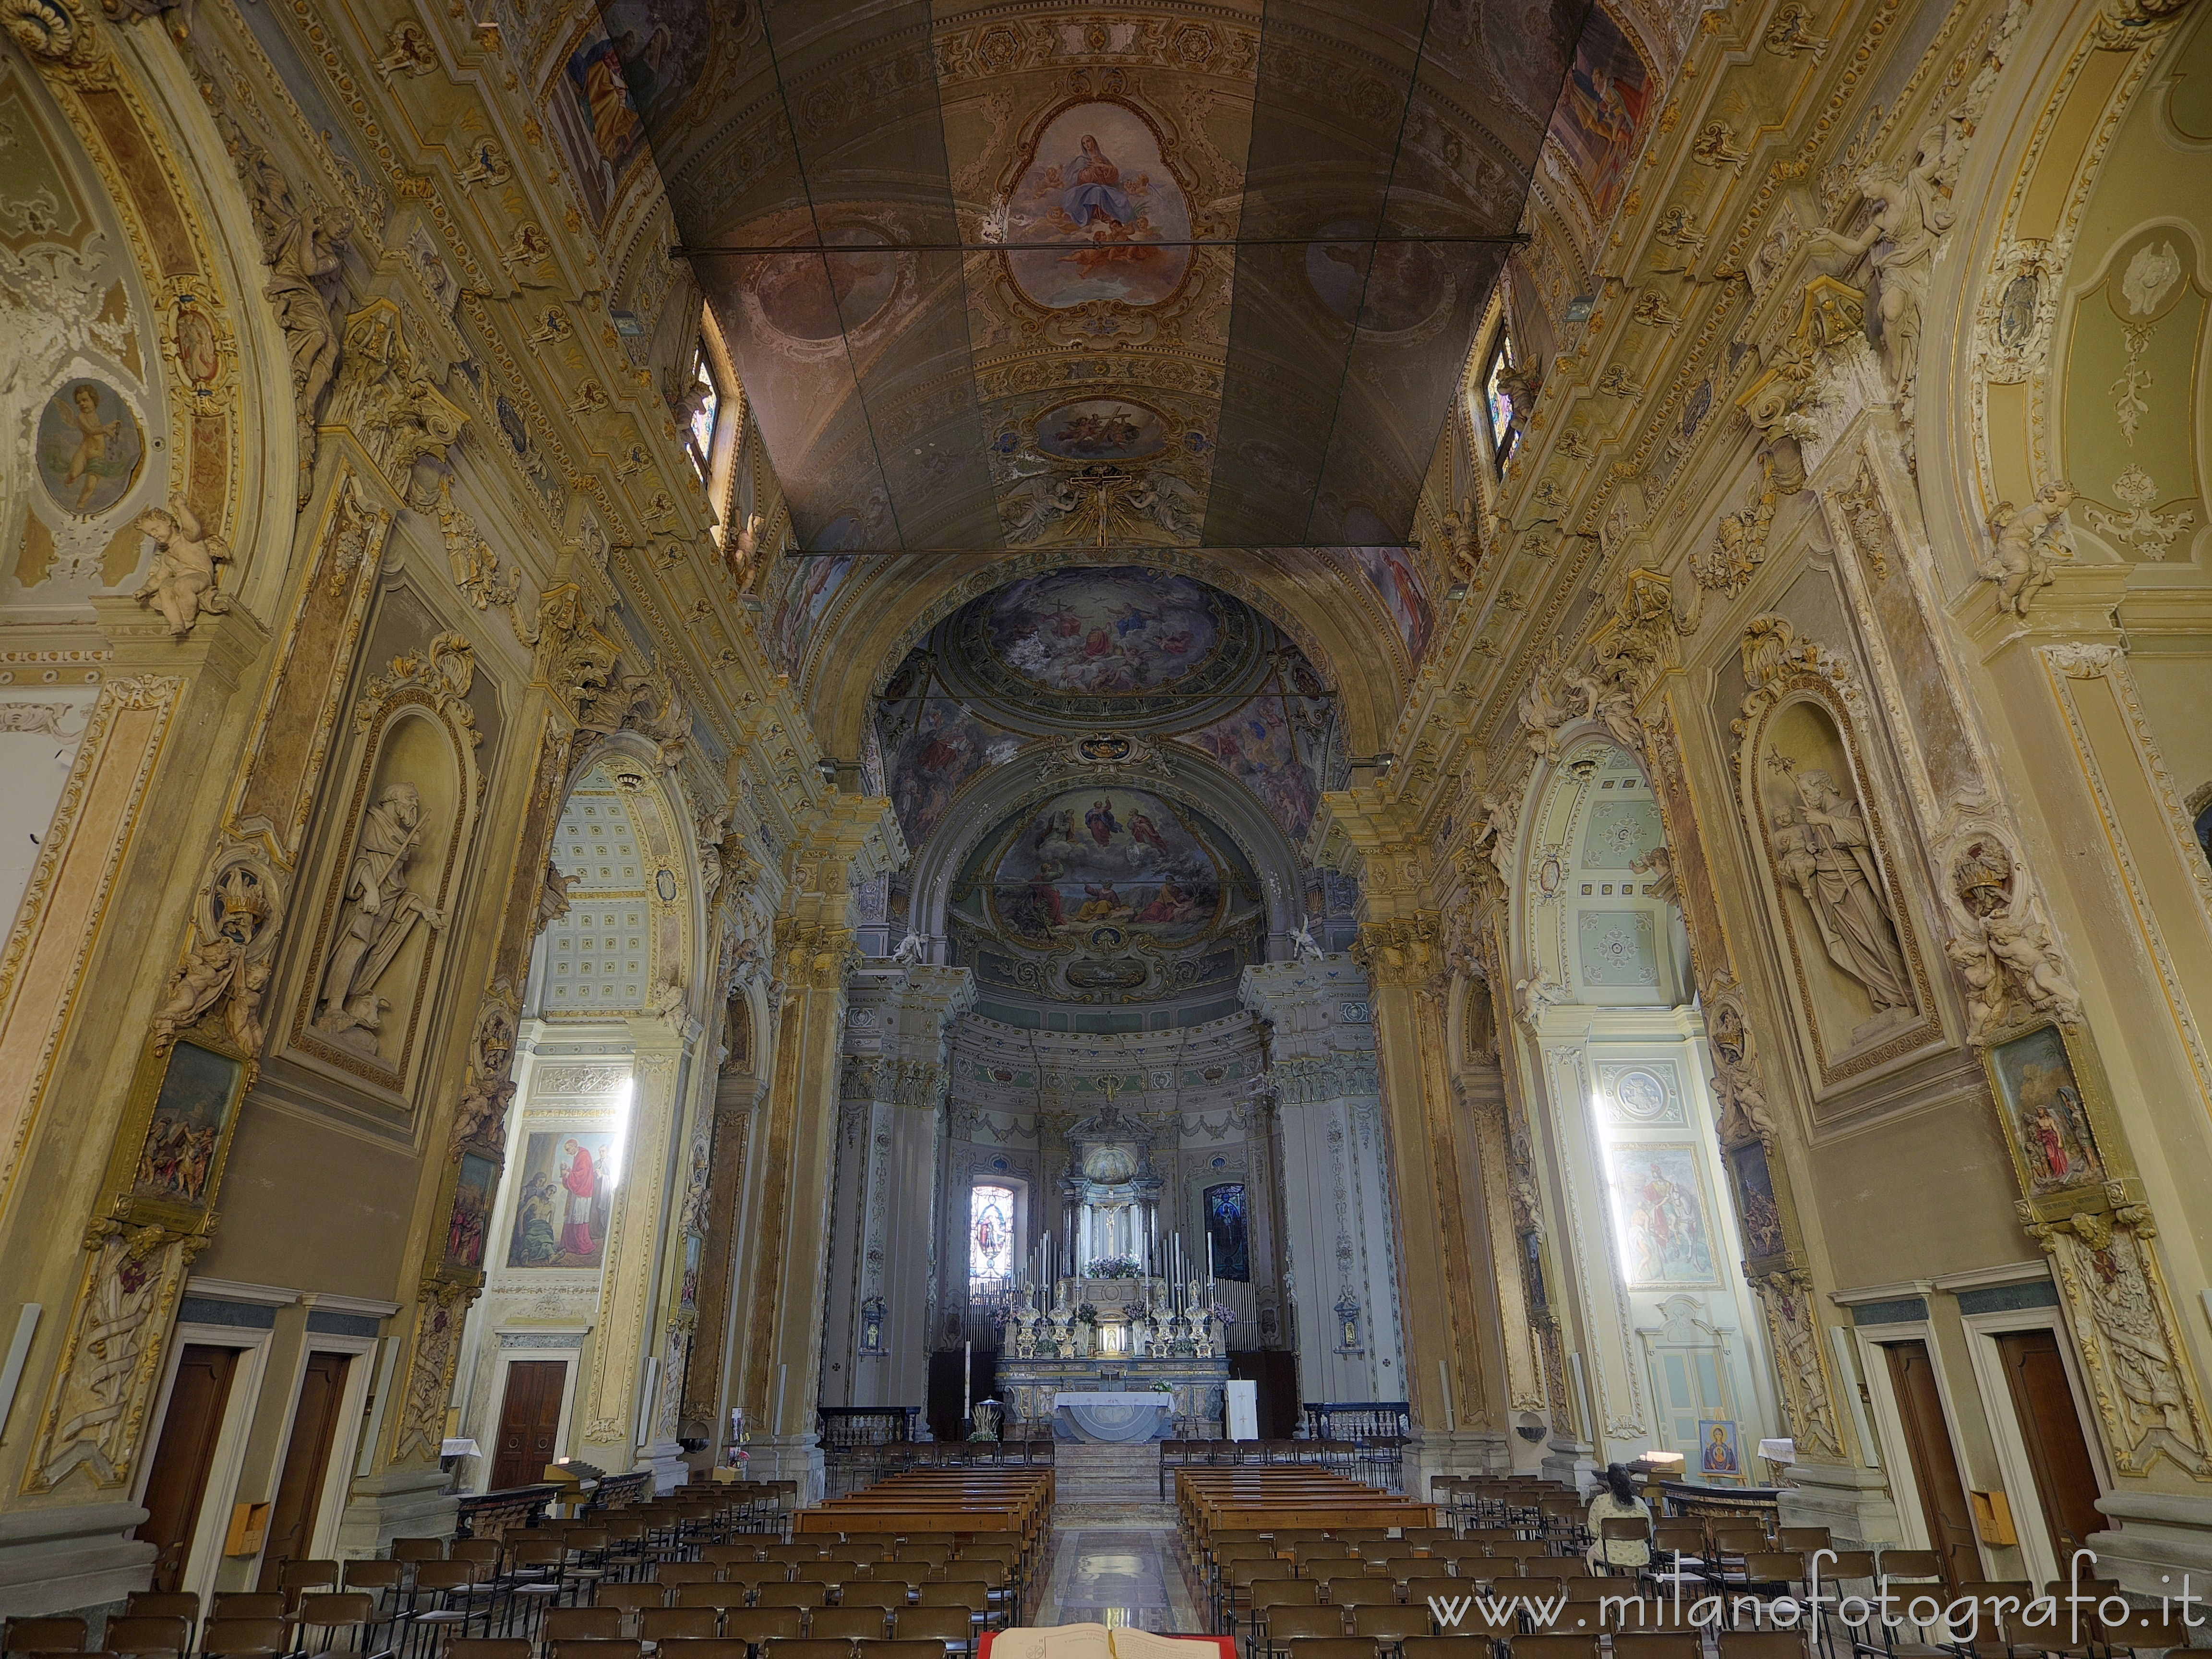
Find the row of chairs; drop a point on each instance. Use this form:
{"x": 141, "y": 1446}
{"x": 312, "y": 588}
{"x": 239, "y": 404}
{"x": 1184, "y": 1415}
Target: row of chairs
{"x": 793, "y": 1647}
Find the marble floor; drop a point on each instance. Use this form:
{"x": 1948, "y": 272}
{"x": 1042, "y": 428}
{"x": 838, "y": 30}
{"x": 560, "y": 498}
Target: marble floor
{"x": 1117, "y": 1564}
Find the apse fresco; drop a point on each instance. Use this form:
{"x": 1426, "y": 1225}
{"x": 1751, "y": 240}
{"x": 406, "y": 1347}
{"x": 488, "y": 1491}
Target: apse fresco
{"x": 808, "y": 588}
{"x": 942, "y": 747}
{"x": 1117, "y": 859}
{"x": 1392, "y": 573}
{"x": 1600, "y": 120}
{"x": 1259, "y": 745}
{"x": 1116, "y": 630}
{"x": 1097, "y": 189}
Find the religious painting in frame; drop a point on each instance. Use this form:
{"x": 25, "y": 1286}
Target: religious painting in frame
{"x": 1227, "y": 1233}
{"x": 563, "y": 1200}
{"x": 1720, "y": 1453}
{"x": 2040, "y": 1096}
{"x": 473, "y": 1192}
{"x": 1662, "y": 1215}
{"x": 1759, "y": 1212}
{"x": 184, "y": 1105}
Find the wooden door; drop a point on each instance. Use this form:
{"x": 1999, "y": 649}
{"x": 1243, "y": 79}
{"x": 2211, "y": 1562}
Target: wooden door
{"x": 307, "y": 1465}
{"x": 1934, "y": 1466}
{"x": 176, "y": 1484}
{"x": 2050, "y": 1427}
{"x": 529, "y": 1422}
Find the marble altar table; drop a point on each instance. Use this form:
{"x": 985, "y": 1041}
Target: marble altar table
{"x": 1123, "y": 1415}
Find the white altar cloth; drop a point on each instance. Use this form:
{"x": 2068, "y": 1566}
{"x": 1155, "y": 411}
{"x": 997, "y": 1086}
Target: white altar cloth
{"x": 1128, "y": 1415}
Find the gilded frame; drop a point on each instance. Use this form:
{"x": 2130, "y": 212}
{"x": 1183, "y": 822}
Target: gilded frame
{"x": 212, "y": 1085}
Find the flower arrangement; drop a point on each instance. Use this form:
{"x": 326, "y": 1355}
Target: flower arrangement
{"x": 1115, "y": 1267}
{"x": 1087, "y": 1314}
{"x": 1224, "y": 1314}
{"x": 1163, "y": 1388}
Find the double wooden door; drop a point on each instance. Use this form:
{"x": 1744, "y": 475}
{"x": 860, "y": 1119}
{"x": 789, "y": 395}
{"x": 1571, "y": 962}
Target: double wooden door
{"x": 2050, "y": 1428}
{"x": 299, "y": 1500}
{"x": 1935, "y": 1464}
{"x": 529, "y": 1422}
{"x": 176, "y": 1484}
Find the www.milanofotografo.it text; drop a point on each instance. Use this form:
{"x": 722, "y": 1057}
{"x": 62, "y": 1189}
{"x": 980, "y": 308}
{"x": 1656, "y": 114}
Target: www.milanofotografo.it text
{"x": 2075, "y": 1611}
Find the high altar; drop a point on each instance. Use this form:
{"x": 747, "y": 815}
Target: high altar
{"x": 1129, "y": 1313}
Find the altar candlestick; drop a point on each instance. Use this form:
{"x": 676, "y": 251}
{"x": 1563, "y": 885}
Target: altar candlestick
{"x": 967, "y": 1375}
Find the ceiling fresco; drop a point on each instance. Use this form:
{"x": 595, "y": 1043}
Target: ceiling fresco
{"x": 1106, "y": 895}
{"x": 1118, "y": 249}
{"x": 1112, "y": 648}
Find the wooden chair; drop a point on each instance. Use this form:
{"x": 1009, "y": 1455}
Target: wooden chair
{"x": 147, "y": 1636}
{"x": 1763, "y": 1644}
{"x": 658, "y": 1624}
{"x": 792, "y": 1595}
{"x": 1669, "y": 1644}
{"x": 948, "y": 1627}
{"x": 731, "y": 1555}
{"x": 686, "y": 1572}
{"x": 856, "y": 1624}
{"x": 805, "y": 1648}
{"x": 497, "y": 1647}
{"x": 1364, "y": 1592}
{"x": 759, "y": 1624}
{"x": 884, "y": 1593}
{"x": 248, "y": 1604}
{"x": 630, "y": 1598}
{"x": 881, "y": 1648}
{"x": 43, "y": 1635}
{"x": 583, "y": 1625}
{"x": 1390, "y": 1624}
{"x": 719, "y": 1597}
{"x": 700, "y": 1647}
{"x": 1268, "y": 1594}
{"x": 1333, "y": 1647}
{"x": 1552, "y": 1646}
{"x": 1445, "y": 1647}
{"x": 592, "y": 1650}
{"x": 1287, "y": 1625}
{"x": 162, "y": 1604}
{"x": 243, "y": 1636}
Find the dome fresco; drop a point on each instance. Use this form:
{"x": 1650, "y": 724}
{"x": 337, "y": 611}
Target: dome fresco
{"x": 1110, "y": 649}
{"x": 1101, "y": 894}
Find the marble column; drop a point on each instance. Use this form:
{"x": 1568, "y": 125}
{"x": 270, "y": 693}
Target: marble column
{"x": 779, "y": 1357}
{"x": 1341, "y": 1236}
{"x": 890, "y": 1123}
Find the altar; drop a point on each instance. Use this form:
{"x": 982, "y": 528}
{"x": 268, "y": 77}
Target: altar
{"x": 1040, "y": 1395}
{"x": 1101, "y": 1414}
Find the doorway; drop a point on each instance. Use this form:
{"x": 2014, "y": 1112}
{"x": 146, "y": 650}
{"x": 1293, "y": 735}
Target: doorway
{"x": 177, "y": 1482}
{"x": 1935, "y": 1464}
{"x": 2051, "y": 1430}
{"x": 306, "y": 1464}
{"x": 529, "y": 1422}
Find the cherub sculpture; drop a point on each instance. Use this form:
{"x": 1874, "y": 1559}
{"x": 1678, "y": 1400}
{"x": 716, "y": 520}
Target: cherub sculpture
{"x": 2023, "y": 540}
{"x": 182, "y": 583}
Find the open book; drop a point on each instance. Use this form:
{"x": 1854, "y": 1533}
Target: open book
{"x": 1096, "y": 1642}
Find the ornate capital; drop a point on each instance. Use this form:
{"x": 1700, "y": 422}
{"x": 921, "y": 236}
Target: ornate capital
{"x": 1405, "y": 952}
{"x": 812, "y": 957}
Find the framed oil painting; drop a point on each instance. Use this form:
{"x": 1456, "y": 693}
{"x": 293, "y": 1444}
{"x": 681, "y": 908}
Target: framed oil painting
{"x": 1758, "y": 1211}
{"x": 1720, "y": 1453}
{"x": 187, "y": 1100}
{"x": 472, "y": 1198}
{"x": 2039, "y": 1097}
{"x": 564, "y": 1200}
{"x": 1661, "y": 1213}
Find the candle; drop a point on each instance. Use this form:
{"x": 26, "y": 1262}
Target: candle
{"x": 967, "y": 1376}
{"x": 782, "y": 1376}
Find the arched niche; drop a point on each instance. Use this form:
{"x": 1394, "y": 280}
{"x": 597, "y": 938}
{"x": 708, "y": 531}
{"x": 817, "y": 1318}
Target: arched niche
{"x": 632, "y": 939}
{"x": 1859, "y": 980}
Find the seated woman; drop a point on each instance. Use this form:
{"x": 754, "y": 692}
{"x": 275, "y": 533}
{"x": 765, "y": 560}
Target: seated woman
{"x": 1616, "y": 1500}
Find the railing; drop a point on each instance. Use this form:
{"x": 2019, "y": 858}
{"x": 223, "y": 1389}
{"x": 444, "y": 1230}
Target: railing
{"x": 1364, "y": 1439}
{"x": 619, "y": 1491}
{"x": 495, "y": 1514}
{"x": 861, "y": 1445}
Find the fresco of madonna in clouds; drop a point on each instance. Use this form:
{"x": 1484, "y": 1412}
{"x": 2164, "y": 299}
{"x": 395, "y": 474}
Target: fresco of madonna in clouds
{"x": 1120, "y": 629}
{"x": 1113, "y": 858}
{"x": 1098, "y": 190}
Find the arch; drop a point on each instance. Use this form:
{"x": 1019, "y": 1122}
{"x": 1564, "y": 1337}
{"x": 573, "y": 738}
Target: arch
{"x": 997, "y": 794}
{"x": 619, "y": 780}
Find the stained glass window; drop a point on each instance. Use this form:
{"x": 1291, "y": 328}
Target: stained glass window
{"x": 1497, "y": 408}
{"x": 1225, "y": 1228}
{"x": 701, "y": 436}
{"x": 990, "y": 1232}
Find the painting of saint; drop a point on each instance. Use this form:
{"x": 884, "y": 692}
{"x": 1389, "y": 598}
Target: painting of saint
{"x": 190, "y": 1113}
{"x": 808, "y": 590}
{"x": 1120, "y": 629}
{"x": 1101, "y": 429}
{"x": 1602, "y": 112}
{"x": 2044, "y": 1099}
{"x": 1098, "y": 189}
{"x": 89, "y": 447}
{"x": 1660, "y": 1209}
{"x": 1228, "y": 1242}
{"x": 1080, "y": 865}
{"x": 1390, "y": 571}
{"x": 472, "y": 1195}
{"x": 624, "y": 72}
{"x": 563, "y": 1200}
